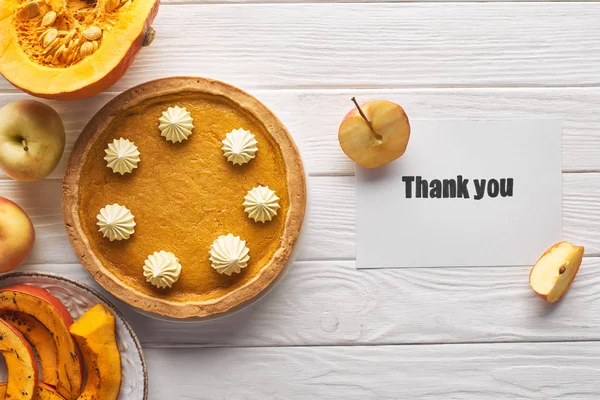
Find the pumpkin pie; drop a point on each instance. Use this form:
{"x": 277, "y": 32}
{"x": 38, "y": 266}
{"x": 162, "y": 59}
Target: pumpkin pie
{"x": 183, "y": 196}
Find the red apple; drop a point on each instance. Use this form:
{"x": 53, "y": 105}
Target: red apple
{"x": 375, "y": 133}
{"x": 553, "y": 273}
{"x": 16, "y": 235}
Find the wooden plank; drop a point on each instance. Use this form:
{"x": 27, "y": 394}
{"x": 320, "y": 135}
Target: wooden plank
{"x": 182, "y": 2}
{"x": 477, "y": 371}
{"x": 375, "y": 45}
{"x": 330, "y": 229}
{"x": 333, "y": 303}
{"x": 313, "y": 117}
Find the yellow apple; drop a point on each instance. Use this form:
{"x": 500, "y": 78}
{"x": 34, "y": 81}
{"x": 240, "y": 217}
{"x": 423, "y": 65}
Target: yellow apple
{"x": 554, "y": 272}
{"x": 375, "y": 133}
{"x": 32, "y": 140}
{"x": 16, "y": 235}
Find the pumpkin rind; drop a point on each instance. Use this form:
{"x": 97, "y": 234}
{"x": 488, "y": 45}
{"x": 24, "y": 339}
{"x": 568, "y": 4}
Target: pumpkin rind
{"x": 93, "y": 74}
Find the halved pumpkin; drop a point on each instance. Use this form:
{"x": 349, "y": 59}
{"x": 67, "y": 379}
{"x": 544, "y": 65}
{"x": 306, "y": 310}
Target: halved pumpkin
{"x": 50, "y": 312}
{"x": 43, "y": 392}
{"x": 95, "y": 334}
{"x": 40, "y": 338}
{"x": 20, "y": 362}
{"x": 71, "y": 49}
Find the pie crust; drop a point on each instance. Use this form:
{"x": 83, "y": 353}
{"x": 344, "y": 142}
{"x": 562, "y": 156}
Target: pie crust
{"x": 234, "y": 299}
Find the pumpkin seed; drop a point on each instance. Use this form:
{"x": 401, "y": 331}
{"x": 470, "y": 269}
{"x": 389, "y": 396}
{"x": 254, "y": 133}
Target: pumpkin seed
{"x": 31, "y": 10}
{"x": 92, "y": 33}
{"x": 70, "y": 36}
{"x": 49, "y": 18}
{"x": 48, "y": 37}
{"x": 111, "y": 5}
{"x": 52, "y": 47}
{"x": 86, "y": 49}
{"x": 95, "y": 44}
{"x": 58, "y": 54}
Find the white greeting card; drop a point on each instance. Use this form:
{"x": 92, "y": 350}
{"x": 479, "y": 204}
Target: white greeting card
{"x": 465, "y": 193}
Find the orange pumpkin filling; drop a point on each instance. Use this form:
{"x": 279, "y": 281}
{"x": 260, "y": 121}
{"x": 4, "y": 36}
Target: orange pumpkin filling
{"x": 184, "y": 196}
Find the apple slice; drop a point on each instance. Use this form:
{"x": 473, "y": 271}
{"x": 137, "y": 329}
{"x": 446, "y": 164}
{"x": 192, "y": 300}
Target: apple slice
{"x": 50, "y": 312}
{"x": 553, "y": 273}
{"x": 375, "y": 133}
{"x": 20, "y": 362}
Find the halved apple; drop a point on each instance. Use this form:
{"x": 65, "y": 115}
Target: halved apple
{"x": 50, "y": 312}
{"x": 553, "y": 273}
{"x": 43, "y": 392}
{"x": 20, "y": 362}
{"x": 40, "y": 338}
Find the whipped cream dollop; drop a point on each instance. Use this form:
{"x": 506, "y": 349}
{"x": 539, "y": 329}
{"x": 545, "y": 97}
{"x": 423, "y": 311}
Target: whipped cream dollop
{"x": 239, "y": 146}
{"x": 162, "y": 269}
{"x": 229, "y": 254}
{"x": 176, "y": 124}
{"x": 116, "y": 222}
{"x": 261, "y": 204}
{"x": 122, "y": 156}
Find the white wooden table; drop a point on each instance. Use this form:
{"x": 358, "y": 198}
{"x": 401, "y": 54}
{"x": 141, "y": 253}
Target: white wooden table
{"x": 329, "y": 331}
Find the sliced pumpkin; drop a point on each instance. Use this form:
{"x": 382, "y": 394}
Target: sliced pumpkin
{"x": 42, "y": 341}
{"x": 67, "y": 50}
{"x": 42, "y": 392}
{"x": 20, "y": 362}
{"x": 51, "y": 313}
{"x": 95, "y": 334}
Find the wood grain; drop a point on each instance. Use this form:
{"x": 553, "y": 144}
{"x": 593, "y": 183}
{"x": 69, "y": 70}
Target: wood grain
{"x": 475, "y": 371}
{"x": 333, "y": 303}
{"x": 440, "y": 61}
{"x": 330, "y": 229}
{"x": 375, "y": 45}
{"x": 183, "y": 2}
{"x": 313, "y": 117}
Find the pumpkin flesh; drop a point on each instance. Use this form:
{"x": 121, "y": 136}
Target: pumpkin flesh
{"x": 43, "y": 392}
{"x": 40, "y": 338}
{"x": 20, "y": 362}
{"x": 50, "y": 312}
{"x": 36, "y": 69}
{"x": 95, "y": 334}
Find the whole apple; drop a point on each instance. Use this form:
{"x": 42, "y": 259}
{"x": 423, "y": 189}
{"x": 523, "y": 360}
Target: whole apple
{"x": 16, "y": 235}
{"x": 374, "y": 133}
{"x": 32, "y": 140}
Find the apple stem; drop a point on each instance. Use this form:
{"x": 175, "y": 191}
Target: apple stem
{"x": 24, "y": 142}
{"x": 362, "y": 114}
